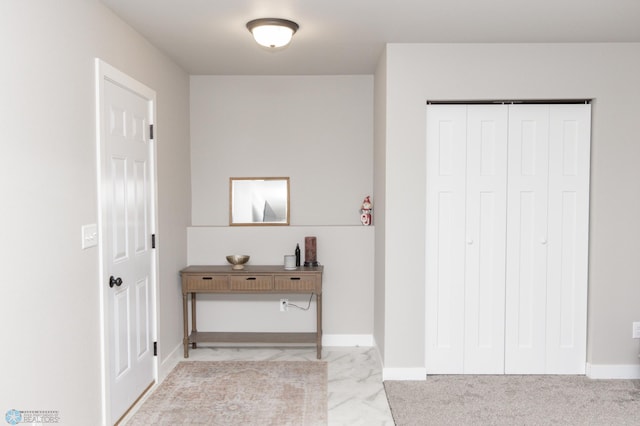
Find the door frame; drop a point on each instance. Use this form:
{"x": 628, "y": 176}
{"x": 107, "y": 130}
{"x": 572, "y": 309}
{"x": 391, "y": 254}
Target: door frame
{"x": 104, "y": 71}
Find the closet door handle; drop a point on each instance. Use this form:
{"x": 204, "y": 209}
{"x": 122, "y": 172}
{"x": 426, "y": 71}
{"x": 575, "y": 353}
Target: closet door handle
{"x": 543, "y": 241}
{"x": 469, "y": 241}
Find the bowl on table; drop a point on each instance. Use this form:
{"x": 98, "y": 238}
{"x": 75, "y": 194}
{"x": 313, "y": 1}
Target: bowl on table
{"x": 238, "y": 260}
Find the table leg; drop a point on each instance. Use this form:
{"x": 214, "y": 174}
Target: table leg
{"x": 194, "y": 329}
{"x": 318, "y": 325}
{"x": 185, "y": 321}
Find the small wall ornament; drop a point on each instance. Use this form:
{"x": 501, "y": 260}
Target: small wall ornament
{"x": 365, "y": 212}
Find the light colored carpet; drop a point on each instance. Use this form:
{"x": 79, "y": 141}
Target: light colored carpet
{"x": 239, "y": 393}
{"x": 514, "y": 400}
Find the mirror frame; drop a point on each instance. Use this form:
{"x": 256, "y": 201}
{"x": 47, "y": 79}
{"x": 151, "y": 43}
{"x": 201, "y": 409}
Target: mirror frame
{"x": 257, "y": 179}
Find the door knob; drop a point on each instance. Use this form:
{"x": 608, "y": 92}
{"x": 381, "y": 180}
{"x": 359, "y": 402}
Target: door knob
{"x": 115, "y": 281}
{"x": 469, "y": 241}
{"x": 543, "y": 241}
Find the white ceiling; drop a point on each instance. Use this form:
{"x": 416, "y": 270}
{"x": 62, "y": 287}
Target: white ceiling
{"x": 347, "y": 36}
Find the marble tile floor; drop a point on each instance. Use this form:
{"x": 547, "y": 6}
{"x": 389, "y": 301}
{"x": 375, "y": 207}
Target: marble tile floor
{"x": 355, "y": 392}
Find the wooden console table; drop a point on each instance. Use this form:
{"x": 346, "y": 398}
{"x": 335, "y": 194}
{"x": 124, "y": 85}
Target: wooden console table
{"x": 250, "y": 280}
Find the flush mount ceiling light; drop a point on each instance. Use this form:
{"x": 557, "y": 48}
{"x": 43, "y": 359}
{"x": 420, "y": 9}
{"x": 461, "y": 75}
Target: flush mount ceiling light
{"x": 272, "y": 32}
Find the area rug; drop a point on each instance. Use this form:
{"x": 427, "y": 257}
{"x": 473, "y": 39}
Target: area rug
{"x": 514, "y": 400}
{"x": 239, "y": 393}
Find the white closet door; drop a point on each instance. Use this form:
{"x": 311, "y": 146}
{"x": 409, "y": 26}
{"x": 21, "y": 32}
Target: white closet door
{"x": 547, "y": 239}
{"x": 485, "y": 239}
{"x": 507, "y": 238}
{"x": 445, "y": 238}
{"x": 569, "y": 156}
{"x": 466, "y": 209}
{"x": 526, "y": 297}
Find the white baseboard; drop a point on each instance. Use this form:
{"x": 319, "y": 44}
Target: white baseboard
{"x": 169, "y": 362}
{"x": 613, "y": 371}
{"x": 342, "y": 340}
{"x": 415, "y": 373}
{"x": 388, "y": 373}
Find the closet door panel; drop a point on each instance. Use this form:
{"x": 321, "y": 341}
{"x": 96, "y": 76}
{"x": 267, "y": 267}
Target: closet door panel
{"x": 569, "y": 155}
{"x": 485, "y": 239}
{"x": 526, "y": 272}
{"x": 445, "y": 238}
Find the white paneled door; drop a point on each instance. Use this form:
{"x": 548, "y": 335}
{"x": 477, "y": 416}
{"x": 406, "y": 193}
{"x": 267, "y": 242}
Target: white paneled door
{"x": 548, "y": 216}
{"x": 466, "y": 199}
{"x": 506, "y": 243}
{"x": 128, "y": 258}
{"x": 446, "y": 239}
{"x": 485, "y": 239}
{"x": 527, "y": 239}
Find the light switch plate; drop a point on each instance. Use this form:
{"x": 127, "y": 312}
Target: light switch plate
{"x": 89, "y": 236}
{"x": 636, "y": 330}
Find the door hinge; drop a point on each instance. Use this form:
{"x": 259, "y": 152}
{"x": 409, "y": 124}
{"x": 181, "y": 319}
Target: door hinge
{"x": 150, "y": 131}
{"x": 153, "y": 241}
{"x": 155, "y": 348}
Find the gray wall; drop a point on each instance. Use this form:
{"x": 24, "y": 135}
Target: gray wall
{"x": 51, "y": 357}
{"x": 317, "y": 130}
{"x": 608, "y": 73}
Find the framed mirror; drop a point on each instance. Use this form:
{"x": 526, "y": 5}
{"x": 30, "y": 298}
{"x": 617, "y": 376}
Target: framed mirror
{"x": 258, "y": 201}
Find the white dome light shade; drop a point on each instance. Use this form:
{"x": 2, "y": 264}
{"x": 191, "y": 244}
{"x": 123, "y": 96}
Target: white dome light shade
{"x": 272, "y": 35}
{"x": 272, "y": 32}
